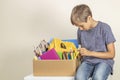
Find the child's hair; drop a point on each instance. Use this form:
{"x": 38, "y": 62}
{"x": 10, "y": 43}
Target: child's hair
{"x": 80, "y": 13}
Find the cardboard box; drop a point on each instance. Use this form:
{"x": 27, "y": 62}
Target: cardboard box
{"x": 55, "y": 67}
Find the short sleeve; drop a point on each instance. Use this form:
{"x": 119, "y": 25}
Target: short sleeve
{"x": 79, "y": 36}
{"x": 108, "y": 35}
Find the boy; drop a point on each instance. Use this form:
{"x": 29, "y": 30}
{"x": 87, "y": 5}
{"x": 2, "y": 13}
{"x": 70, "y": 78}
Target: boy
{"x": 97, "y": 45}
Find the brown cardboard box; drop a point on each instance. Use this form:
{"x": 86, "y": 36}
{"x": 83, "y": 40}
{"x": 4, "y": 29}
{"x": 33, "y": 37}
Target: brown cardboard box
{"x": 54, "y": 67}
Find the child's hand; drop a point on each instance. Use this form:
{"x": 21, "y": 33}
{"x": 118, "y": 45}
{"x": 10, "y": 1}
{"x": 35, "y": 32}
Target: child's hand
{"x": 85, "y": 52}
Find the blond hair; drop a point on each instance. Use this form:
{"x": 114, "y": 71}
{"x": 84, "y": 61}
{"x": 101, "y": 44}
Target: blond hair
{"x": 80, "y": 13}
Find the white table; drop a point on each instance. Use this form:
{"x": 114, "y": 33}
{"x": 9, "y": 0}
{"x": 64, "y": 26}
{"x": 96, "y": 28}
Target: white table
{"x": 31, "y": 77}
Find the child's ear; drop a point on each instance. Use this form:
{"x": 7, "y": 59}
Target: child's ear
{"x": 89, "y": 18}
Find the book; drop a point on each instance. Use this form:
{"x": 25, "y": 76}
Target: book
{"x": 50, "y": 55}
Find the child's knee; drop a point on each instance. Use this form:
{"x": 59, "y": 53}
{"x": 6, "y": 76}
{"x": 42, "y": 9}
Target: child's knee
{"x": 98, "y": 77}
{"x": 80, "y": 77}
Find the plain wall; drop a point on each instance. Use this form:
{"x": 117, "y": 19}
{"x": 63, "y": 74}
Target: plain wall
{"x": 24, "y": 23}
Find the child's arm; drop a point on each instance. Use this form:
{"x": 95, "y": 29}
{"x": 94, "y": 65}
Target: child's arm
{"x": 109, "y": 54}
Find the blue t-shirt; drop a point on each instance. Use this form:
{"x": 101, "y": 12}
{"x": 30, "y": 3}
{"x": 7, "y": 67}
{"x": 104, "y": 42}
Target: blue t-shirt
{"x": 96, "y": 39}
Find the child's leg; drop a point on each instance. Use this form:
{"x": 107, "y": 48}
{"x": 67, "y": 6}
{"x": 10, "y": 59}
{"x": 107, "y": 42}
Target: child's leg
{"x": 101, "y": 71}
{"x": 84, "y": 71}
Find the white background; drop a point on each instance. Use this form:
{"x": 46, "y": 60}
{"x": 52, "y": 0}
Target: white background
{"x": 24, "y": 23}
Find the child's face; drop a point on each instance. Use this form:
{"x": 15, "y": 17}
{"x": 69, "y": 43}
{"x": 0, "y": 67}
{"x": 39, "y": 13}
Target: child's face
{"x": 85, "y": 25}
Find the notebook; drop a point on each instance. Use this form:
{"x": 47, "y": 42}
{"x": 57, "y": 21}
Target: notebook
{"x": 50, "y": 55}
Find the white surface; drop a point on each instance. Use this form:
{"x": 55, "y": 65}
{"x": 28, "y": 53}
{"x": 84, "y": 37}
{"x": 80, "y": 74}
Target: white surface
{"x": 31, "y": 77}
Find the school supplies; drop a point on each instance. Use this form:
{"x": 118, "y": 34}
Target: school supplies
{"x": 61, "y": 46}
{"x": 40, "y": 49}
{"x": 57, "y": 49}
{"x": 35, "y": 58}
{"x": 43, "y": 46}
{"x": 50, "y": 55}
{"x": 69, "y": 56}
{"x": 73, "y": 41}
{"x": 64, "y": 55}
{"x": 60, "y": 54}
{"x": 62, "y": 59}
{"x": 37, "y": 51}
